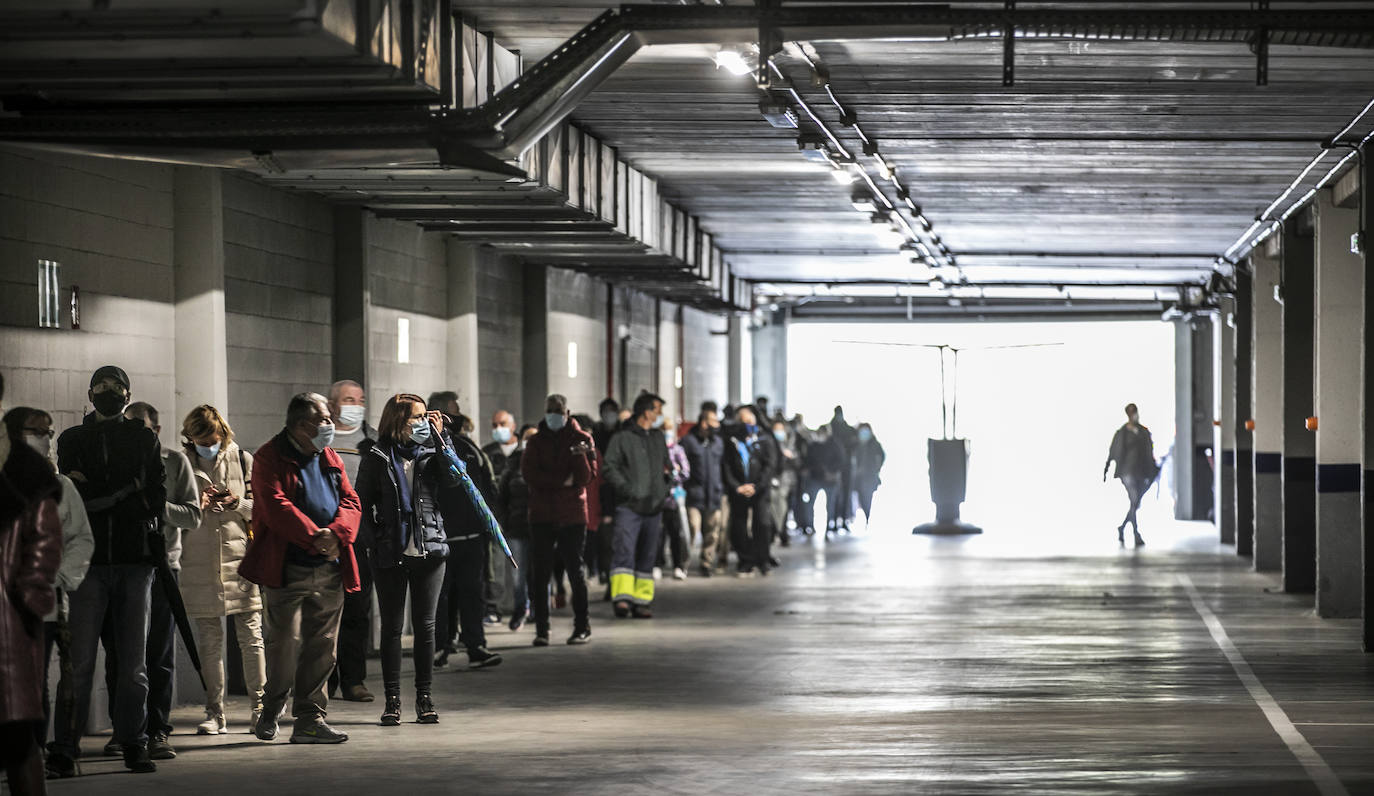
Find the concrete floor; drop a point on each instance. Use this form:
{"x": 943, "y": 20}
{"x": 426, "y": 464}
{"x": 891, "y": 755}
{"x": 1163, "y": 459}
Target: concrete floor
{"x": 1045, "y": 662}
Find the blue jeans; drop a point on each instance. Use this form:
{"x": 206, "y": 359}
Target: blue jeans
{"x": 124, "y": 590}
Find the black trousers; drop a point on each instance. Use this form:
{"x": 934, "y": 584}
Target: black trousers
{"x": 558, "y": 543}
{"x": 461, "y": 600}
{"x": 161, "y": 660}
{"x": 751, "y": 530}
{"x": 423, "y": 578}
{"x": 355, "y": 630}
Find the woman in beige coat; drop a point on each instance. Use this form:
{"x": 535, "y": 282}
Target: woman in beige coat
{"x": 210, "y": 583}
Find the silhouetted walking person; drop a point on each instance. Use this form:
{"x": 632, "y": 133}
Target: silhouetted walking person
{"x": 1134, "y": 453}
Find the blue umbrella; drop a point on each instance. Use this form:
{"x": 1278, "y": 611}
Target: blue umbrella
{"x": 460, "y": 471}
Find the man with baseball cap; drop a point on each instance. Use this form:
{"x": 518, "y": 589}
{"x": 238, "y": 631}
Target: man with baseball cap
{"x": 116, "y": 464}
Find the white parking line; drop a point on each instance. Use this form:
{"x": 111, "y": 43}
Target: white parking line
{"x": 1322, "y": 776}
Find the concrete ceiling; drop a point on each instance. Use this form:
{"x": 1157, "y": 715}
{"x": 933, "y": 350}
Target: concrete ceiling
{"x": 1111, "y": 161}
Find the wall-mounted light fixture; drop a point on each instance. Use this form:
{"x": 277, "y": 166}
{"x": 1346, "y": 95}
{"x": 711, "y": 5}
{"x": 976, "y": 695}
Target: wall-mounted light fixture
{"x": 572, "y": 359}
{"x": 48, "y": 290}
{"x": 403, "y": 340}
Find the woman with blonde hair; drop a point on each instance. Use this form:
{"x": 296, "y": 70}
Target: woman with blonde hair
{"x": 210, "y": 583}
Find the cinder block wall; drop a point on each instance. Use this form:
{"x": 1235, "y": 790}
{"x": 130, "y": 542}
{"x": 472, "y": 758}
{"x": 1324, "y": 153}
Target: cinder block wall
{"x": 408, "y": 280}
{"x": 278, "y": 300}
{"x": 577, "y": 314}
{"x": 109, "y": 223}
{"x": 704, "y": 377}
{"x": 500, "y": 340}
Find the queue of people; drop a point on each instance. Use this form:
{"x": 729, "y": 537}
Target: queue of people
{"x": 112, "y": 540}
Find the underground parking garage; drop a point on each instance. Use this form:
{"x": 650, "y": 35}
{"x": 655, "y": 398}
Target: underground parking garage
{"x": 916, "y": 257}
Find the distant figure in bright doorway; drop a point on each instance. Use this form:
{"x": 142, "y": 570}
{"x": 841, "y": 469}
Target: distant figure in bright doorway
{"x": 1134, "y": 453}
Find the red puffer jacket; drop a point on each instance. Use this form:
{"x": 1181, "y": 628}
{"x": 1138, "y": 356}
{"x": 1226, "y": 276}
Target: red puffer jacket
{"x": 548, "y": 464}
{"x": 278, "y": 523}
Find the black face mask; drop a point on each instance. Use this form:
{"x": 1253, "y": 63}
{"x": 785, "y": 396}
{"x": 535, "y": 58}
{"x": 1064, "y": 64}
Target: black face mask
{"x": 108, "y": 404}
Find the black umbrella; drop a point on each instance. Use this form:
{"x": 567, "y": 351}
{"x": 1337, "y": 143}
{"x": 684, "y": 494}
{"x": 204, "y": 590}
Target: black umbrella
{"x": 178, "y": 606}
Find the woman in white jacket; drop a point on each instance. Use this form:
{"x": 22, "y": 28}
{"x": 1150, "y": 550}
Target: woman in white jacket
{"x": 210, "y": 583}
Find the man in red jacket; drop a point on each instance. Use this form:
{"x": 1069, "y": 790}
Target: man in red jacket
{"x": 559, "y": 463}
{"x": 305, "y": 518}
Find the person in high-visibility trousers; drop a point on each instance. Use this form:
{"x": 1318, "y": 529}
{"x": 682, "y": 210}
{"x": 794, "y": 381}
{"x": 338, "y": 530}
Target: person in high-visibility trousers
{"x": 635, "y": 467}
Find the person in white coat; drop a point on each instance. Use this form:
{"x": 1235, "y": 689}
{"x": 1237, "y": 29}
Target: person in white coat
{"x": 210, "y": 584}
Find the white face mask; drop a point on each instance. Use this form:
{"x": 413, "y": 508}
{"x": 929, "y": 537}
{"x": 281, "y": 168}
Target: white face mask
{"x": 352, "y": 416}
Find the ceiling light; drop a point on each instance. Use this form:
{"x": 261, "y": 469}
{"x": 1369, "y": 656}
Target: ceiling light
{"x": 842, "y": 175}
{"x": 778, "y": 114}
{"x": 864, "y": 202}
{"x": 733, "y": 62}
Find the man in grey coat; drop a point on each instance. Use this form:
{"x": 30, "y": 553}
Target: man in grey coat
{"x": 182, "y": 511}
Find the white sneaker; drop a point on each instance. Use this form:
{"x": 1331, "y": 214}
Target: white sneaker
{"x": 679, "y": 574}
{"x": 213, "y": 725}
{"x": 658, "y": 573}
{"x": 253, "y": 722}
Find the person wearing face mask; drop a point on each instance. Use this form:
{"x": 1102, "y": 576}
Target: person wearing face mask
{"x": 636, "y": 462}
{"x": 404, "y": 485}
{"x": 214, "y": 593}
{"x": 558, "y": 465}
{"x": 512, "y": 509}
{"x": 784, "y": 477}
{"x": 498, "y": 572}
{"x": 117, "y": 466}
{"x": 747, "y": 469}
{"x": 33, "y": 428}
{"x": 504, "y": 441}
{"x": 181, "y": 512}
{"x": 598, "y": 550}
{"x": 1133, "y": 450}
{"x": 869, "y": 457}
{"x": 348, "y": 407}
{"x": 705, "y": 448}
{"x": 674, "y": 537}
{"x": 305, "y": 519}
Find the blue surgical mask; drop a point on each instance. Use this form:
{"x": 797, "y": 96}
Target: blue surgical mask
{"x": 865, "y": 435}
{"x": 780, "y": 436}
{"x": 351, "y": 416}
{"x": 555, "y": 422}
{"x": 658, "y": 422}
{"x": 324, "y": 437}
{"x": 419, "y": 431}
{"x": 208, "y": 452}
{"x": 501, "y": 434}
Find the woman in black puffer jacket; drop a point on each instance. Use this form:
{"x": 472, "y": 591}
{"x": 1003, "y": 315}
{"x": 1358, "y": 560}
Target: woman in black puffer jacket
{"x": 400, "y": 479}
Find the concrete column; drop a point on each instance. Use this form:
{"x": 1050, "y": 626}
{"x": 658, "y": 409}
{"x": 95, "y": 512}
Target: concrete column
{"x": 1193, "y": 410}
{"x": 202, "y": 367}
{"x": 1299, "y": 444}
{"x": 1266, "y": 389}
{"x": 1337, "y": 395}
{"x": 735, "y": 360}
{"x": 462, "y": 324}
{"x": 1224, "y": 429}
{"x": 540, "y": 357}
{"x": 1366, "y": 178}
{"x": 352, "y": 294}
{"x": 770, "y": 359}
{"x": 1244, "y": 496}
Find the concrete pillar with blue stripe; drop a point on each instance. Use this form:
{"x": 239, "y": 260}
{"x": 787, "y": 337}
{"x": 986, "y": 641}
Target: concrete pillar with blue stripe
{"x": 1266, "y": 408}
{"x": 1338, "y": 415}
{"x": 1224, "y": 430}
{"x": 1299, "y": 444}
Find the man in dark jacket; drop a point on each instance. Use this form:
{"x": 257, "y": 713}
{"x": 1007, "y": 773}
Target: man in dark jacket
{"x": 636, "y": 463}
{"x": 750, "y": 462}
{"x": 116, "y": 464}
{"x": 848, "y": 440}
{"x": 348, "y": 407}
{"x": 305, "y": 521}
{"x": 461, "y": 604}
{"x": 1133, "y": 450}
{"x": 558, "y": 464}
{"x": 705, "y": 450}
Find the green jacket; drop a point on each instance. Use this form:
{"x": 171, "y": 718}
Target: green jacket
{"x": 636, "y": 460}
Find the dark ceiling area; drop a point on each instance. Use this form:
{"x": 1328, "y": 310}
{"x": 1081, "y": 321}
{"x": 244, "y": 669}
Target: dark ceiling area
{"x": 1103, "y": 157}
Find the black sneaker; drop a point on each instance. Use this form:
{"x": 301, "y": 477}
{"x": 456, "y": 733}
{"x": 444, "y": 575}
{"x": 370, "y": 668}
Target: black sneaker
{"x": 1139, "y": 540}
{"x": 391, "y": 714}
{"x": 622, "y": 609}
{"x": 541, "y": 639}
{"x": 136, "y": 760}
{"x": 317, "y": 732}
{"x": 267, "y": 728}
{"x": 113, "y": 749}
{"x": 581, "y": 636}
{"x": 159, "y": 748}
{"x": 60, "y": 766}
{"x": 424, "y": 709}
{"x": 643, "y": 612}
{"x": 441, "y": 660}
{"x": 482, "y": 658}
